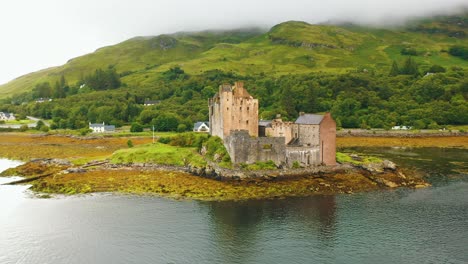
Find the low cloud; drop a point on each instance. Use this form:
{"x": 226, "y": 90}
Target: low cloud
{"x": 39, "y": 34}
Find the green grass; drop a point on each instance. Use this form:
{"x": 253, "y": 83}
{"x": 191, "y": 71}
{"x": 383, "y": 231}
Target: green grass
{"x": 332, "y": 49}
{"x": 346, "y": 158}
{"x": 260, "y": 165}
{"x": 19, "y": 122}
{"x": 159, "y": 154}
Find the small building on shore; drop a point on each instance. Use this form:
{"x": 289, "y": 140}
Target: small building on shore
{"x": 7, "y": 116}
{"x": 201, "y": 127}
{"x": 101, "y": 128}
{"x": 309, "y": 141}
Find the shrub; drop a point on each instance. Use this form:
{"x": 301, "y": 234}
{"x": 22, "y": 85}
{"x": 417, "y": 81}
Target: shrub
{"x": 409, "y": 51}
{"x": 130, "y": 143}
{"x": 84, "y": 131}
{"x": 296, "y": 165}
{"x": 24, "y": 128}
{"x": 40, "y": 124}
{"x": 181, "y": 128}
{"x": 136, "y": 127}
{"x": 164, "y": 140}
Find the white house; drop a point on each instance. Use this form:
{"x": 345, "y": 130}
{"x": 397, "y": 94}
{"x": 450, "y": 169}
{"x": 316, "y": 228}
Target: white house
{"x": 101, "y": 128}
{"x": 7, "y": 116}
{"x": 401, "y": 128}
{"x": 43, "y": 100}
{"x": 201, "y": 127}
{"x": 151, "y": 102}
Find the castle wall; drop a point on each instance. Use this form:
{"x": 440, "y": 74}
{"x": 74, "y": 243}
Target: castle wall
{"x": 233, "y": 109}
{"x": 244, "y": 149}
{"x": 308, "y": 135}
{"x": 305, "y": 156}
{"x": 280, "y": 129}
{"x": 328, "y": 140}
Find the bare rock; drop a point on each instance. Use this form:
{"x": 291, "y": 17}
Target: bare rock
{"x": 389, "y": 165}
{"x": 76, "y": 170}
{"x": 373, "y": 167}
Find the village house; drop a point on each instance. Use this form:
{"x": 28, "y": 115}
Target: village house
{"x": 43, "y": 100}
{"x": 309, "y": 141}
{"x": 101, "y": 128}
{"x": 7, "y": 116}
{"x": 151, "y": 102}
{"x": 201, "y": 127}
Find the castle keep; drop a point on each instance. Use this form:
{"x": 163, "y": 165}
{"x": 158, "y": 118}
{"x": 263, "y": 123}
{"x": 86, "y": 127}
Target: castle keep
{"x": 309, "y": 141}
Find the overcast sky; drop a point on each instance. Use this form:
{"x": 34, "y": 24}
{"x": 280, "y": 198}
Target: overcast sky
{"x": 39, "y": 34}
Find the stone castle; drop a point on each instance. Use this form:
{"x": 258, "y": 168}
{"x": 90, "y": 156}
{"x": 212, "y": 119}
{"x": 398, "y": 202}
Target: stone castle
{"x": 309, "y": 141}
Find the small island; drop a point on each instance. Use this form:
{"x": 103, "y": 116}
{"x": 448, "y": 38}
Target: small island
{"x": 241, "y": 158}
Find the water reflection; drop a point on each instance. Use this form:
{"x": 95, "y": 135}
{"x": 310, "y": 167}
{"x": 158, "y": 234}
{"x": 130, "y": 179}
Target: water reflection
{"x": 240, "y": 229}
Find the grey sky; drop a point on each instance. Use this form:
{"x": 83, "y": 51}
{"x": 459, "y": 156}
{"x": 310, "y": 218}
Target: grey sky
{"x": 39, "y": 34}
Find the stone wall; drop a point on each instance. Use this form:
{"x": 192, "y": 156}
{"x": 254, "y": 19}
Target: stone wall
{"x": 305, "y": 156}
{"x": 328, "y": 140}
{"x": 308, "y": 135}
{"x": 280, "y": 129}
{"x": 233, "y": 108}
{"x": 245, "y": 149}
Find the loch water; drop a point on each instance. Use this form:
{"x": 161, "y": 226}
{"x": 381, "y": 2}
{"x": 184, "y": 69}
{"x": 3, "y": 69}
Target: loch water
{"x": 396, "y": 226}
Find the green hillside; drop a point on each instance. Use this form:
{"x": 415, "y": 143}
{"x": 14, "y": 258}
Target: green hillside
{"x": 288, "y": 48}
{"x": 366, "y": 77}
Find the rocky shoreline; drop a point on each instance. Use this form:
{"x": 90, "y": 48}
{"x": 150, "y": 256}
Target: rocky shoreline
{"x": 60, "y": 176}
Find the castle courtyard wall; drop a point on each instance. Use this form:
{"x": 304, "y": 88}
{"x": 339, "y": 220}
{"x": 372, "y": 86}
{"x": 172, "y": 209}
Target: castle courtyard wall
{"x": 245, "y": 149}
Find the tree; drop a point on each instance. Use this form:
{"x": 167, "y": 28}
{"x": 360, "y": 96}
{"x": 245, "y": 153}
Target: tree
{"x": 166, "y": 122}
{"x": 394, "y": 71}
{"x": 42, "y": 90}
{"x": 436, "y": 68}
{"x": 410, "y": 67}
{"x": 136, "y": 127}
{"x": 181, "y": 128}
{"x": 103, "y": 79}
{"x": 40, "y": 124}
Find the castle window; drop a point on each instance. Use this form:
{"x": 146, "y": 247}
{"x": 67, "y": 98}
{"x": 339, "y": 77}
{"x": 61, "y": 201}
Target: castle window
{"x": 248, "y": 108}
{"x": 247, "y": 122}
{"x": 228, "y": 108}
{"x": 240, "y": 108}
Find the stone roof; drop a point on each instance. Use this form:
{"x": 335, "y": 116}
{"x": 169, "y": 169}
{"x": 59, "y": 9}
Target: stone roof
{"x": 309, "y": 119}
{"x": 109, "y": 128}
{"x": 197, "y": 125}
{"x": 95, "y": 125}
{"x": 264, "y": 123}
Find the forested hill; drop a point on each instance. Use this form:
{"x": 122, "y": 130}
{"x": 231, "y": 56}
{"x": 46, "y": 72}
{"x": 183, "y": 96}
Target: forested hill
{"x": 367, "y": 77}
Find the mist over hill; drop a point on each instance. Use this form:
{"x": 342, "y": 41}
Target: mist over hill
{"x": 361, "y": 74}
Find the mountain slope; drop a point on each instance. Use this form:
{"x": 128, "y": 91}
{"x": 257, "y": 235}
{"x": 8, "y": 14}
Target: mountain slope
{"x": 288, "y": 48}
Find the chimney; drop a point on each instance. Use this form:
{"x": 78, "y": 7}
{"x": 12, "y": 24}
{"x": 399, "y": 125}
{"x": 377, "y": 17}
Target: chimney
{"x": 301, "y": 113}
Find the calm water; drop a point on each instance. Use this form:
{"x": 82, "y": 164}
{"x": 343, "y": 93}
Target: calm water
{"x": 402, "y": 226}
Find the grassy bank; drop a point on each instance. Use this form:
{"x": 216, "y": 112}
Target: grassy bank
{"x": 172, "y": 184}
{"x": 183, "y": 185}
{"x": 439, "y": 142}
{"x": 159, "y": 154}
{"x": 24, "y": 146}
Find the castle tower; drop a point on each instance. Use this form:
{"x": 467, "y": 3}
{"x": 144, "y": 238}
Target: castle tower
{"x": 233, "y": 108}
